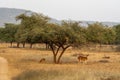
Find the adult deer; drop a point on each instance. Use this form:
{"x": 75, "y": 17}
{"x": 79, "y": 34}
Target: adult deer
{"x": 83, "y": 58}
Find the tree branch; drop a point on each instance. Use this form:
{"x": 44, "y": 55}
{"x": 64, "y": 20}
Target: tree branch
{"x": 64, "y": 48}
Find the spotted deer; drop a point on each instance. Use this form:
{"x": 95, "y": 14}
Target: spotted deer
{"x": 83, "y": 58}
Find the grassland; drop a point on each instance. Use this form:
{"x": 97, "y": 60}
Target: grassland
{"x": 24, "y": 65}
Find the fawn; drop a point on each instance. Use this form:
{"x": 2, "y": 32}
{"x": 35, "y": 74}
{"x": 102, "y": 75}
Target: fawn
{"x": 42, "y": 60}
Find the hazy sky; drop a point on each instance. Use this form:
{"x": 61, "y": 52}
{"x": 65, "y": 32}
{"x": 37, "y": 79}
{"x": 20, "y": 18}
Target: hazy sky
{"x": 95, "y": 10}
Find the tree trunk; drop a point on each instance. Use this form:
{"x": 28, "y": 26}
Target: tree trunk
{"x": 31, "y": 44}
{"x": 56, "y": 52}
{"x": 23, "y": 44}
{"x": 59, "y": 58}
{"x": 55, "y": 59}
{"x": 10, "y": 44}
{"x": 47, "y": 46}
{"x": 18, "y": 44}
{"x": 63, "y": 50}
{"x": 100, "y": 46}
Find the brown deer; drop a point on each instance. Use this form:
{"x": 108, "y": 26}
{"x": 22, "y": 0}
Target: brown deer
{"x": 42, "y": 60}
{"x": 82, "y": 57}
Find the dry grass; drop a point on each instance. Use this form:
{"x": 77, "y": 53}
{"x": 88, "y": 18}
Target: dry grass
{"x": 24, "y": 65}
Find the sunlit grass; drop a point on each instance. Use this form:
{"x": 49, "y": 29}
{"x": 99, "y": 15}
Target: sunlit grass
{"x": 24, "y": 65}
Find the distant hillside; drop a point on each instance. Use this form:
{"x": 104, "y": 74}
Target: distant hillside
{"x": 7, "y": 15}
{"x": 85, "y": 23}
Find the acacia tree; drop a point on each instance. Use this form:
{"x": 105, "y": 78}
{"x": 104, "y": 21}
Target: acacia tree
{"x": 109, "y": 35}
{"x": 25, "y": 33}
{"x": 117, "y": 30}
{"x": 21, "y": 35}
{"x": 77, "y": 29}
{"x": 59, "y": 38}
{"x": 95, "y": 33}
{"x": 2, "y": 34}
{"x": 9, "y": 32}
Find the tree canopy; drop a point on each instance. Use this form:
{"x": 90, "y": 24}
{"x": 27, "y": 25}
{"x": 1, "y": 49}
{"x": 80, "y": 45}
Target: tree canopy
{"x": 36, "y": 28}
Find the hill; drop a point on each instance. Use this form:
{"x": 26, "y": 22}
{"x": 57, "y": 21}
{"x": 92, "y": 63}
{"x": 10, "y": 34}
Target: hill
{"x": 7, "y": 15}
{"x": 85, "y": 23}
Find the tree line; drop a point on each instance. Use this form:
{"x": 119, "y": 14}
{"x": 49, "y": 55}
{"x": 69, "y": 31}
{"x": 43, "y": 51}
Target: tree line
{"x": 36, "y": 28}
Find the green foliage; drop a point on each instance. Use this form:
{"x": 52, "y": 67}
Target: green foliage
{"x": 76, "y": 33}
{"x": 98, "y": 33}
{"x": 8, "y": 33}
{"x": 95, "y": 32}
{"x": 29, "y": 23}
{"x": 2, "y": 32}
{"x": 109, "y": 35}
{"x": 117, "y": 30}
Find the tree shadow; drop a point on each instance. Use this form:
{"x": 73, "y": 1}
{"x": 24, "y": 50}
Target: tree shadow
{"x": 38, "y": 75}
{"x": 104, "y": 61}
